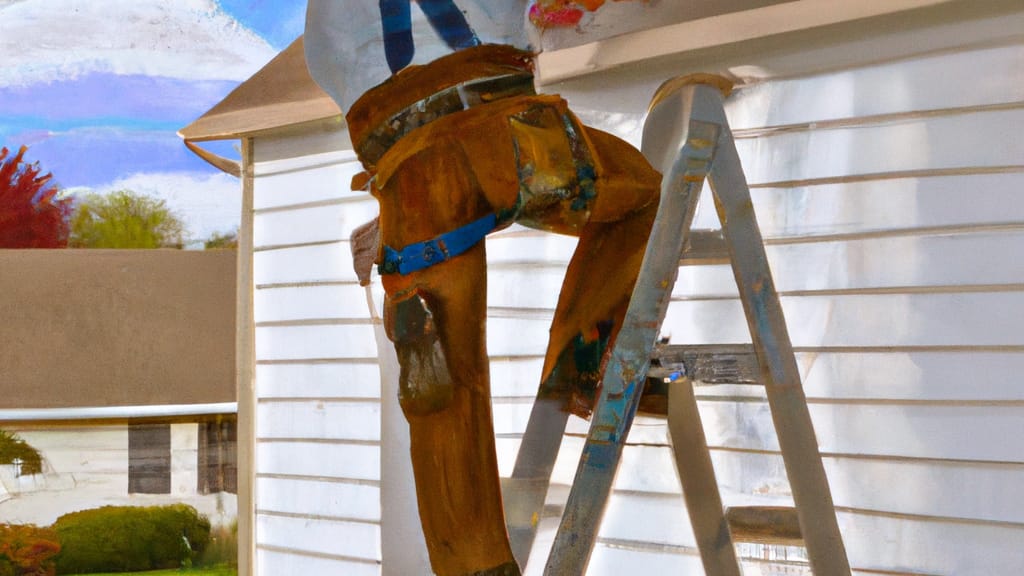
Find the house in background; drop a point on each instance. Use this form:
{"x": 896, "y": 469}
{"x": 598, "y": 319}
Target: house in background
{"x": 118, "y": 366}
{"x": 881, "y": 142}
{"x": 310, "y": 403}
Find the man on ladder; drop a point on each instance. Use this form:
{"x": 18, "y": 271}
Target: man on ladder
{"x": 461, "y": 143}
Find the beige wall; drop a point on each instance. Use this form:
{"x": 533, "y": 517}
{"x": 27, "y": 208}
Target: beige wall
{"x": 116, "y": 327}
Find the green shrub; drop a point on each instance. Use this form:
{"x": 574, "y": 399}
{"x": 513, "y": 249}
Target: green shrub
{"x": 223, "y": 548}
{"x": 27, "y": 550}
{"x": 14, "y": 448}
{"x": 129, "y": 538}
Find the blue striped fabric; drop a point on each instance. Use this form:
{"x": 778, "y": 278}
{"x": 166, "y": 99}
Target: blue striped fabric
{"x": 396, "y": 20}
{"x": 444, "y": 17}
{"x": 450, "y": 23}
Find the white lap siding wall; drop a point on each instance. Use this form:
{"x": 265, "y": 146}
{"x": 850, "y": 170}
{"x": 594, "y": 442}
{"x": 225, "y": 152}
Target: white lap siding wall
{"x": 890, "y": 198}
{"x": 317, "y": 417}
{"x": 87, "y": 466}
{"x": 888, "y": 194}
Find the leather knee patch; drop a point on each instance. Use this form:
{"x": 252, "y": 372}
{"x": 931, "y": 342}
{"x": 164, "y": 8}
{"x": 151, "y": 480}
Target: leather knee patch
{"x": 425, "y": 385}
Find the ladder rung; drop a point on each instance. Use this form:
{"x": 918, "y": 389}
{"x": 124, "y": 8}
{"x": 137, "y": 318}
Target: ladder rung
{"x": 707, "y": 364}
{"x": 765, "y": 525}
{"x": 705, "y": 247}
{"x": 701, "y": 365}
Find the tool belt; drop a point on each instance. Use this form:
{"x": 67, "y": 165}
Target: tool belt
{"x": 475, "y": 110}
{"x": 418, "y": 95}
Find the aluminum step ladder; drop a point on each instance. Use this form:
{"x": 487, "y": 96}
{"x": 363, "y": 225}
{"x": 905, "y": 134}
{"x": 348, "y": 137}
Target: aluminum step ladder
{"x": 688, "y": 137}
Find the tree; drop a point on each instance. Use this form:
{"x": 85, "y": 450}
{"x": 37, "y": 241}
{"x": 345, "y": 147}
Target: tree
{"x": 222, "y": 241}
{"x": 32, "y": 214}
{"x": 15, "y": 450}
{"x": 124, "y": 219}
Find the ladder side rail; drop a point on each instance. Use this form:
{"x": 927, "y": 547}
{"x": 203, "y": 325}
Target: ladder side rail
{"x": 779, "y": 371}
{"x": 700, "y": 488}
{"x": 525, "y": 492}
{"x": 683, "y": 148}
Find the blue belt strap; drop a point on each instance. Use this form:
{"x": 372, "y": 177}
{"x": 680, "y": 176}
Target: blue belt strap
{"x": 442, "y": 248}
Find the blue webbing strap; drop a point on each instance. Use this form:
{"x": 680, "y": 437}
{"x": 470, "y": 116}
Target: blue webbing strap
{"x": 439, "y": 249}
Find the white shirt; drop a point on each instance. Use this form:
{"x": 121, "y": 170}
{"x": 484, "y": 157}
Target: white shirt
{"x": 345, "y": 48}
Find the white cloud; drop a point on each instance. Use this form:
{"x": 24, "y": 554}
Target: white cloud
{"x": 205, "y": 203}
{"x": 46, "y": 40}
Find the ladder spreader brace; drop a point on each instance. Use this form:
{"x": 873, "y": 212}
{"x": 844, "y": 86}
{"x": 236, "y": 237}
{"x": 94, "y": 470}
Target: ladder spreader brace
{"x": 687, "y": 136}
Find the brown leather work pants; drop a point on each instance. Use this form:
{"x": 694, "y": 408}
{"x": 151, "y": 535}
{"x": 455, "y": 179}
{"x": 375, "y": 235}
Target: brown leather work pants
{"x": 520, "y": 150}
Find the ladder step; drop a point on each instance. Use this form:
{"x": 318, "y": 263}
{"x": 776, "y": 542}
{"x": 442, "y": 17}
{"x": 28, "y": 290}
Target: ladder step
{"x": 707, "y": 364}
{"x": 765, "y": 525}
{"x": 701, "y": 365}
{"x": 705, "y": 247}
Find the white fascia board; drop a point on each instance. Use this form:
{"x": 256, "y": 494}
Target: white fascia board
{"x": 116, "y": 412}
{"x": 557, "y": 65}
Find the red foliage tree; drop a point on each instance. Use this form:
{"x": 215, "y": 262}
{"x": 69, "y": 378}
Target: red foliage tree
{"x": 26, "y": 550}
{"x": 31, "y": 213}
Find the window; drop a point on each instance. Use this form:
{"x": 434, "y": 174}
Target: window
{"x": 218, "y": 459}
{"x": 149, "y": 458}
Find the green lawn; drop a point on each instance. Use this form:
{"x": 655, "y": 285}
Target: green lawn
{"x": 215, "y": 571}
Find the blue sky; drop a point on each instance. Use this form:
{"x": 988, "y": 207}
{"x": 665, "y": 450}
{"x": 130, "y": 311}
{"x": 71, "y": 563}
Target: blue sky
{"x": 98, "y": 88}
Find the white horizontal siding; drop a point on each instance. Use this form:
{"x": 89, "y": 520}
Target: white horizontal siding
{"x": 517, "y": 336}
{"x": 610, "y": 560}
{"x": 319, "y": 419}
{"x": 327, "y": 380}
{"x": 317, "y": 180}
{"x": 345, "y": 341}
{"x": 318, "y": 499}
{"x": 959, "y": 142}
{"x": 516, "y": 377}
{"x": 914, "y": 431}
{"x": 87, "y": 455}
{"x": 982, "y": 319}
{"x": 519, "y": 245}
{"x": 987, "y": 319}
{"x": 909, "y": 263}
{"x": 332, "y": 537}
{"x": 893, "y": 242}
{"x": 505, "y": 289}
{"x": 329, "y": 262}
{"x": 986, "y": 490}
{"x": 965, "y": 376}
{"x": 884, "y": 542}
{"x": 72, "y": 439}
{"x": 315, "y": 302}
{"x": 890, "y": 206}
{"x": 317, "y": 377}
{"x": 315, "y": 458}
{"x": 898, "y": 543}
{"x": 283, "y": 561}
{"x": 936, "y": 82}
{"x": 326, "y": 221}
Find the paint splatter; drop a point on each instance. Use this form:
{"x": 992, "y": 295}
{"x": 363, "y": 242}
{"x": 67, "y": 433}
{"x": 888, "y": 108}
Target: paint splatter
{"x": 553, "y": 15}
{"x": 561, "y": 13}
